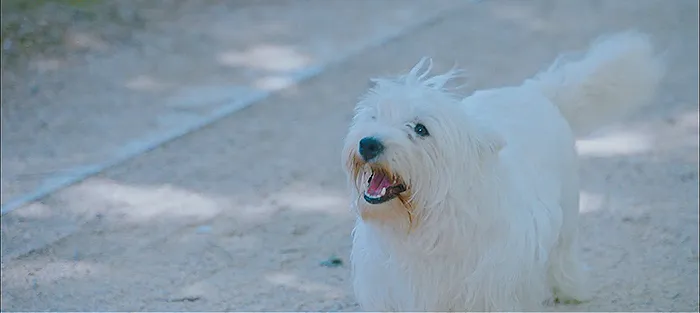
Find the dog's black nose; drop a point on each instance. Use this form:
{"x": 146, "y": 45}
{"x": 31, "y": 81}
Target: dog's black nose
{"x": 370, "y": 148}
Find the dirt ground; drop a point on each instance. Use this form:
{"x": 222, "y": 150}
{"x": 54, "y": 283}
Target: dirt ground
{"x": 249, "y": 213}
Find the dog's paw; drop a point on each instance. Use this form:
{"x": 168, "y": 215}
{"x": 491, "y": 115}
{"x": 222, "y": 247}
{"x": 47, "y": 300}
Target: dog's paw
{"x": 561, "y": 300}
{"x": 557, "y": 300}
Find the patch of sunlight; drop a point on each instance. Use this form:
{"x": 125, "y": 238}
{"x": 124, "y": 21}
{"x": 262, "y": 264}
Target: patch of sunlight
{"x": 198, "y": 289}
{"x": 140, "y": 203}
{"x": 620, "y": 143}
{"x": 314, "y": 199}
{"x": 253, "y": 213}
{"x": 589, "y": 202}
{"x": 34, "y": 210}
{"x": 520, "y": 13}
{"x": 29, "y": 274}
{"x": 145, "y": 83}
{"x": 274, "y": 83}
{"x": 266, "y": 57}
{"x": 293, "y": 282}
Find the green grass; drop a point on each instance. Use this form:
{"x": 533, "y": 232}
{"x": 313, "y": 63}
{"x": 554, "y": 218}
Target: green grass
{"x": 27, "y": 5}
{"x": 26, "y": 28}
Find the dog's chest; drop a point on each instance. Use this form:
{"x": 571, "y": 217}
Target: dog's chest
{"x": 392, "y": 279}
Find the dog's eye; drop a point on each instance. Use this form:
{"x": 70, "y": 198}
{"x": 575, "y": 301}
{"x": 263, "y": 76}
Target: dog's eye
{"x": 421, "y": 130}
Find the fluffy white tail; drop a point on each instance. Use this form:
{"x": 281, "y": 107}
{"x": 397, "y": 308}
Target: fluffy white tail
{"x": 618, "y": 74}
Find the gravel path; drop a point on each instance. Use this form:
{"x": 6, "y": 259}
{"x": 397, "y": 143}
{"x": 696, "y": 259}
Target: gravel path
{"x": 249, "y": 213}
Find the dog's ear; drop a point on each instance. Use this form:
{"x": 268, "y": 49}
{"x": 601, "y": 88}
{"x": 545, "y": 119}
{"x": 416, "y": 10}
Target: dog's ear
{"x": 371, "y": 83}
{"x": 490, "y": 142}
{"x": 495, "y": 144}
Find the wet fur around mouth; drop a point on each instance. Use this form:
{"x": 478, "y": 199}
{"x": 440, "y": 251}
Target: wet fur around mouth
{"x": 392, "y": 192}
{"x": 389, "y": 192}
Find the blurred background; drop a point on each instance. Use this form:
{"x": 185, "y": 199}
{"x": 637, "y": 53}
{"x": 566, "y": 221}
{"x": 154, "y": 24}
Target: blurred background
{"x": 185, "y": 155}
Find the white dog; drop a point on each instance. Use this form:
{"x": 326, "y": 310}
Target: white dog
{"x": 472, "y": 204}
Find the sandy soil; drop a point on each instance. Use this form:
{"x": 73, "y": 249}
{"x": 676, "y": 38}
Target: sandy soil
{"x": 246, "y": 213}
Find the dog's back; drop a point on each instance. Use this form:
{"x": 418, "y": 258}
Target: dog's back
{"x": 537, "y": 122}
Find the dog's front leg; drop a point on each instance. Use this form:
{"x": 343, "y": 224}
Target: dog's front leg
{"x": 505, "y": 283}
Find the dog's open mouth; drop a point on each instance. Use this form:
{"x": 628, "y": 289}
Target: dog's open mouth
{"x": 382, "y": 187}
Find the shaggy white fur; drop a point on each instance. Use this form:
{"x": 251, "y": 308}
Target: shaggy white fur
{"x": 472, "y": 204}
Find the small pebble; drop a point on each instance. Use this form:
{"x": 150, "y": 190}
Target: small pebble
{"x": 34, "y": 90}
{"x": 332, "y": 262}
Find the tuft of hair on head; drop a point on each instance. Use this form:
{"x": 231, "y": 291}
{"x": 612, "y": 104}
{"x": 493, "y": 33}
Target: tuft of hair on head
{"x": 419, "y": 76}
{"x": 437, "y": 82}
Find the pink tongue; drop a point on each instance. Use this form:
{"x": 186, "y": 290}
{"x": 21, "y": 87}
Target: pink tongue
{"x": 378, "y": 182}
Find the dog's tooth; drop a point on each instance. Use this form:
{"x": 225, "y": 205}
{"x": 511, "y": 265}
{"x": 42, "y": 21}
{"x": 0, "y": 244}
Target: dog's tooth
{"x": 383, "y": 192}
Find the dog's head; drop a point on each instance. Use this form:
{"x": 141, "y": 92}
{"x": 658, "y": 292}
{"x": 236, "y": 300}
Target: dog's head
{"x": 409, "y": 142}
